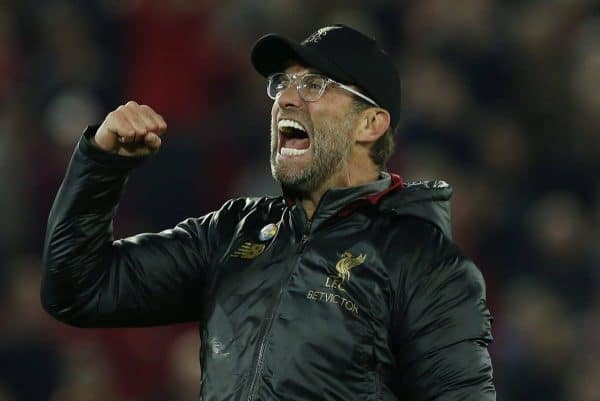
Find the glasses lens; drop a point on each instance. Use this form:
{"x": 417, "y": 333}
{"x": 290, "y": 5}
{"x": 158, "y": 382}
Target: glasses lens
{"x": 312, "y": 86}
{"x": 277, "y": 83}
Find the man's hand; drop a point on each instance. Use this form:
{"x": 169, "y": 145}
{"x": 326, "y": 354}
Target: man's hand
{"x": 131, "y": 130}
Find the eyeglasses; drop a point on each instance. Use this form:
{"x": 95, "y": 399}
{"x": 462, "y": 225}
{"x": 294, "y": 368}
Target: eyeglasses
{"x": 310, "y": 86}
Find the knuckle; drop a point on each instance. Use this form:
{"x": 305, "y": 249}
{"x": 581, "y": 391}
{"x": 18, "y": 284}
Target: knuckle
{"x": 124, "y": 126}
{"x": 131, "y": 103}
{"x": 116, "y": 115}
{"x": 113, "y": 119}
{"x": 119, "y": 119}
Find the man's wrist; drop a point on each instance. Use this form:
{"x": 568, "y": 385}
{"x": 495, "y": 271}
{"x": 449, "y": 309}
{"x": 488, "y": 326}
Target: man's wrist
{"x": 91, "y": 150}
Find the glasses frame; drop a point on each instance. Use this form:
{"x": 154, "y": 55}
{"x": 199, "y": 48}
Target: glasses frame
{"x": 328, "y": 81}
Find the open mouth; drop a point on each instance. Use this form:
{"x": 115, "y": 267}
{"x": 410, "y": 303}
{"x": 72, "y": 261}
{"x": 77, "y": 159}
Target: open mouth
{"x": 293, "y": 138}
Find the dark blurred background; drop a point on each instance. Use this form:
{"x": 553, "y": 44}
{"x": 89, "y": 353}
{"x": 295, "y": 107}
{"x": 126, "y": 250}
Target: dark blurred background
{"x": 500, "y": 98}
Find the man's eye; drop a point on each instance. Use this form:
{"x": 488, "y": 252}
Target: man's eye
{"x": 279, "y": 82}
{"x": 279, "y": 86}
{"x": 313, "y": 83}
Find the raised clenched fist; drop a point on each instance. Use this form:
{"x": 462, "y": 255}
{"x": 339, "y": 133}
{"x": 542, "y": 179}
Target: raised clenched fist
{"x": 131, "y": 130}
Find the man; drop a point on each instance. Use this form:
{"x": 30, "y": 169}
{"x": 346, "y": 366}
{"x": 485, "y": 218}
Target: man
{"x": 347, "y": 287}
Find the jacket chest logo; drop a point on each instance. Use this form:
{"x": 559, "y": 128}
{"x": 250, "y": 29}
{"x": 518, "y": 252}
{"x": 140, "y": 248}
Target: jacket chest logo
{"x": 343, "y": 266}
{"x": 335, "y": 293}
{"x": 348, "y": 262}
{"x": 251, "y": 250}
{"x": 248, "y": 250}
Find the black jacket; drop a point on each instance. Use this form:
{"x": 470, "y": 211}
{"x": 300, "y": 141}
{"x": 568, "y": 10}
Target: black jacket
{"x": 370, "y": 300}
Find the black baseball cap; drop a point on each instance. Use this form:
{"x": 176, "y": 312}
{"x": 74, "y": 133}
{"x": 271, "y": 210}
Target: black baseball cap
{"x": 343, "y": 54}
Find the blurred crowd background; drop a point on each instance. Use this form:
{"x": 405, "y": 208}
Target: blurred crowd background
{"x": 501, "y": 98}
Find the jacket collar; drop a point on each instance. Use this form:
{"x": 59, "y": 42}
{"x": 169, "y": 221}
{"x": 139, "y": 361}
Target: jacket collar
{"x": 345, "y": 200}
{"x": 426, "y": 200}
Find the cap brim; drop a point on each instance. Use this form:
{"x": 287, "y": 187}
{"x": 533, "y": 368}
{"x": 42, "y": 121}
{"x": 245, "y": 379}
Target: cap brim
{"x": 273, "y": 53}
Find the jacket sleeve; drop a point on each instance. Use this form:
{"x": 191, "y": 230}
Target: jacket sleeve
{"x": 90, "y": 280}
{"x": 442, "y": 328}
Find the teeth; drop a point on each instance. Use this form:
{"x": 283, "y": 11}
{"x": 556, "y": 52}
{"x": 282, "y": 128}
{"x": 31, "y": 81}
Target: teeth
{"x": 291, "y": 124}
{"x": 292, "y": 151}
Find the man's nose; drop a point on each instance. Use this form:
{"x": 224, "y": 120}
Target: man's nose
{"x": 289, "y": 97}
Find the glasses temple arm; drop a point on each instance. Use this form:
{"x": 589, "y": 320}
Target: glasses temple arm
{"x": 357, "y": 93}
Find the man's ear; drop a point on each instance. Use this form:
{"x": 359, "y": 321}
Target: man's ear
{"x": 372, "y": 124}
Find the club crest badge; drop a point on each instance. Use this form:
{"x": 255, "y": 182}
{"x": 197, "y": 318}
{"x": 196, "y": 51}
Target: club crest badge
{"x": 268, "y": 232}
{"x": 332, "y": 290}
{"x": 346, "y": 263}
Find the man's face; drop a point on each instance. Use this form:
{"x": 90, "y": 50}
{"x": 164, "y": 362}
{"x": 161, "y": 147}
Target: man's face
{"x": 305, "y": 160}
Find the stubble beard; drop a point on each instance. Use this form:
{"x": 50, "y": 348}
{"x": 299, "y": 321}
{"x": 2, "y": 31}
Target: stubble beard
{"x": 330, "y": 147}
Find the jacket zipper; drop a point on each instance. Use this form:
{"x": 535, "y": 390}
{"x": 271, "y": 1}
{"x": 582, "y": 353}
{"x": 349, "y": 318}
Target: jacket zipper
{"x": 267, "y": 327}
{"x": 261, "y": 351}
{"x": 377, "y": 382}
{"x": 263, "y": 341}
{"x": 304, "y": 238}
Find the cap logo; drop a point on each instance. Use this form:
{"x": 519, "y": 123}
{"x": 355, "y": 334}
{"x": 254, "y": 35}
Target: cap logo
{"x": 320, "y": 34}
